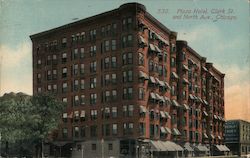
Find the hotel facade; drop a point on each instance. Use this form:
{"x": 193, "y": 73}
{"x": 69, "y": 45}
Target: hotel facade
{"x": 131, "y": 88}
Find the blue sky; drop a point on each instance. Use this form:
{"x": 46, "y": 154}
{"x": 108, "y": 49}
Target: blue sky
{"x": 223, "y": 42}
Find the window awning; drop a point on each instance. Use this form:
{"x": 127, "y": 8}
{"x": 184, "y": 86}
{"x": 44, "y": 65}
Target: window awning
{"x": 166, "y": 99}
{"x": 142, "y": 40}
{"x": 167, "y": 85}
{"x": 156, "y": 146}
{"x": 143, "y": 75}
{"x": 167, "y": 115}
{"x": 202, "y": 148}
{"x": 219, "y": 137}
{"x": 152, "y": 79}
{"x": 175, "y": 103}
{"x": 162, "y": 114}
{"x": 205, "y": 113}
{"x": 157, "y": 80}
{"x": 143, "y": 109}
{"x": 162, "y": 39}
{"x": 225, "y": 147}
{"x": 188, "y": 147}
{"x": 163, "y": 130}
{"x": 176, "y": 146}
{"x": 168, "y": 130}
{"x": 152, "y": 47}
{"x": 191, "y": 96}
{"x": 158, "y": 97}
{"x": 211, "y": 136}
{"x": 82, "y": 113}
{"x": 176, "y": 132}
{"x": 152, "y": 95}
{"x": 186, "y": 106}
{"x": 157, "y": 49}
{"x": 185, "y": 67}
{"x": 204, "y": 68}
{"x": 200, "y": 99}
{"x": 205, "y": 102}
{"x": 205, "y": 135}
{"x": 185, "y": 81}
{"x": 215, "y": 117}
{"x": 219, "y": 148}
{"x": 175, "y": 75}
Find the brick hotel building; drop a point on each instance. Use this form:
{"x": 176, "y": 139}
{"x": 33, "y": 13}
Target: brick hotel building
{"x": 131, "y": 89}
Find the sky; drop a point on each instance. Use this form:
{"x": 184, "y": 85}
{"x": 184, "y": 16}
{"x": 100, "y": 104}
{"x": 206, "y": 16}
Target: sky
{"x": 216, "y": 29}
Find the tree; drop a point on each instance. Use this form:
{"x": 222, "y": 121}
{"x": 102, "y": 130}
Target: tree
{"x": 26, "y": 120}
{"x": 46, "y": 113}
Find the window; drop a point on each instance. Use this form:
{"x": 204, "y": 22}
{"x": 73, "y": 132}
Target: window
{"x": 83, "y": 36}
{"x": 49, "y": 75}
{"x": 114, "y": 129}
{"x": 107, "y": 96}
{"x": 114, "y": 112}
{"x": 108, "y": 30}
{"x": 82, "y": 53}
{"x": 106, "y": 79}
{"x": 76, "y": 100}
{"x": 82, "y": 131}
{"x": 65, "y": 132}
{"x": 110, "y": 146}
{"x": 127, "y": 23}
{"x": 114, "y": 28}
{"x": 173, "y": 48}
{"x": 151, "y": 65}
{"x": 130, "y": 110}
{"x": 113, "y": 45}
{"x": 114, "y": 95}
{"x": 75, "y": 69}
{"x": 93, "y": 66}
{"x": 82, "y": 84}
{"x": 76, "y": 85}
{"x": 93, "y": 50}
{"x": 141, "y": 93}
{"x": 93, "y": 147}
{"x": 49, "y": 87}
{"x": 93, "y": 98}
{"x": 64, "y": 87}
{"x": 93, "y": 114}
{"x": 106, "y": 63}
{"x": 127, "y": 41}
{"x": 142, "y": 128}
{"x": 64, "y": 57}
{"x": 93, "y": 131}
{"x": 64, "y": 42}
{"x": 75, "y": 53}
{"x": 76, "y": 131}
{"x": 82, "y": 69}
{"x": 172, "y": 62}
{"x": 82, "y": 99}
{"x": 64, "y": 72}
{"x": 127, "y": 93}
{"x": 173, "y": 92}
{"x": 140, "y": 59}
{"x": 128, "y": 76}
{"x": 92, "y": 34}
{"x": 54, "y": 74}
{"x": 106, "y": 46}
{"x": 113, "y": 78}
{"x": 113, "y": 62}
{"x": 93, "y": 82}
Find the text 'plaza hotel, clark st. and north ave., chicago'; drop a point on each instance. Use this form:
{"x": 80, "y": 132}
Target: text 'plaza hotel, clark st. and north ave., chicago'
{"x": 131, "y": 88}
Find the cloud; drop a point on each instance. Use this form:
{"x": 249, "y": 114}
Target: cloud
{"x": 16, "y": 68}
{"x": 237, "y": 93}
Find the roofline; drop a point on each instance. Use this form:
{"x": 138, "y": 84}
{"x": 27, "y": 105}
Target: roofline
{"x": 157, "y": 22}
{"x": 239, "y": 120}
{"x": 37, "y": 35}
{"x": 215, "y": 69}
{"x": 91, "y": 18}
{"x": 185, "y": 43}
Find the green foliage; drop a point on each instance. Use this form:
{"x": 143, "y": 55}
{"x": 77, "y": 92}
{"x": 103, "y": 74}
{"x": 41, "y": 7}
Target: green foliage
{"x": 23, "y": 117}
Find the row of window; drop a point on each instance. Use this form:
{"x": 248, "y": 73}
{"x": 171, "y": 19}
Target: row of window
{"x": 107, "y": 30}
